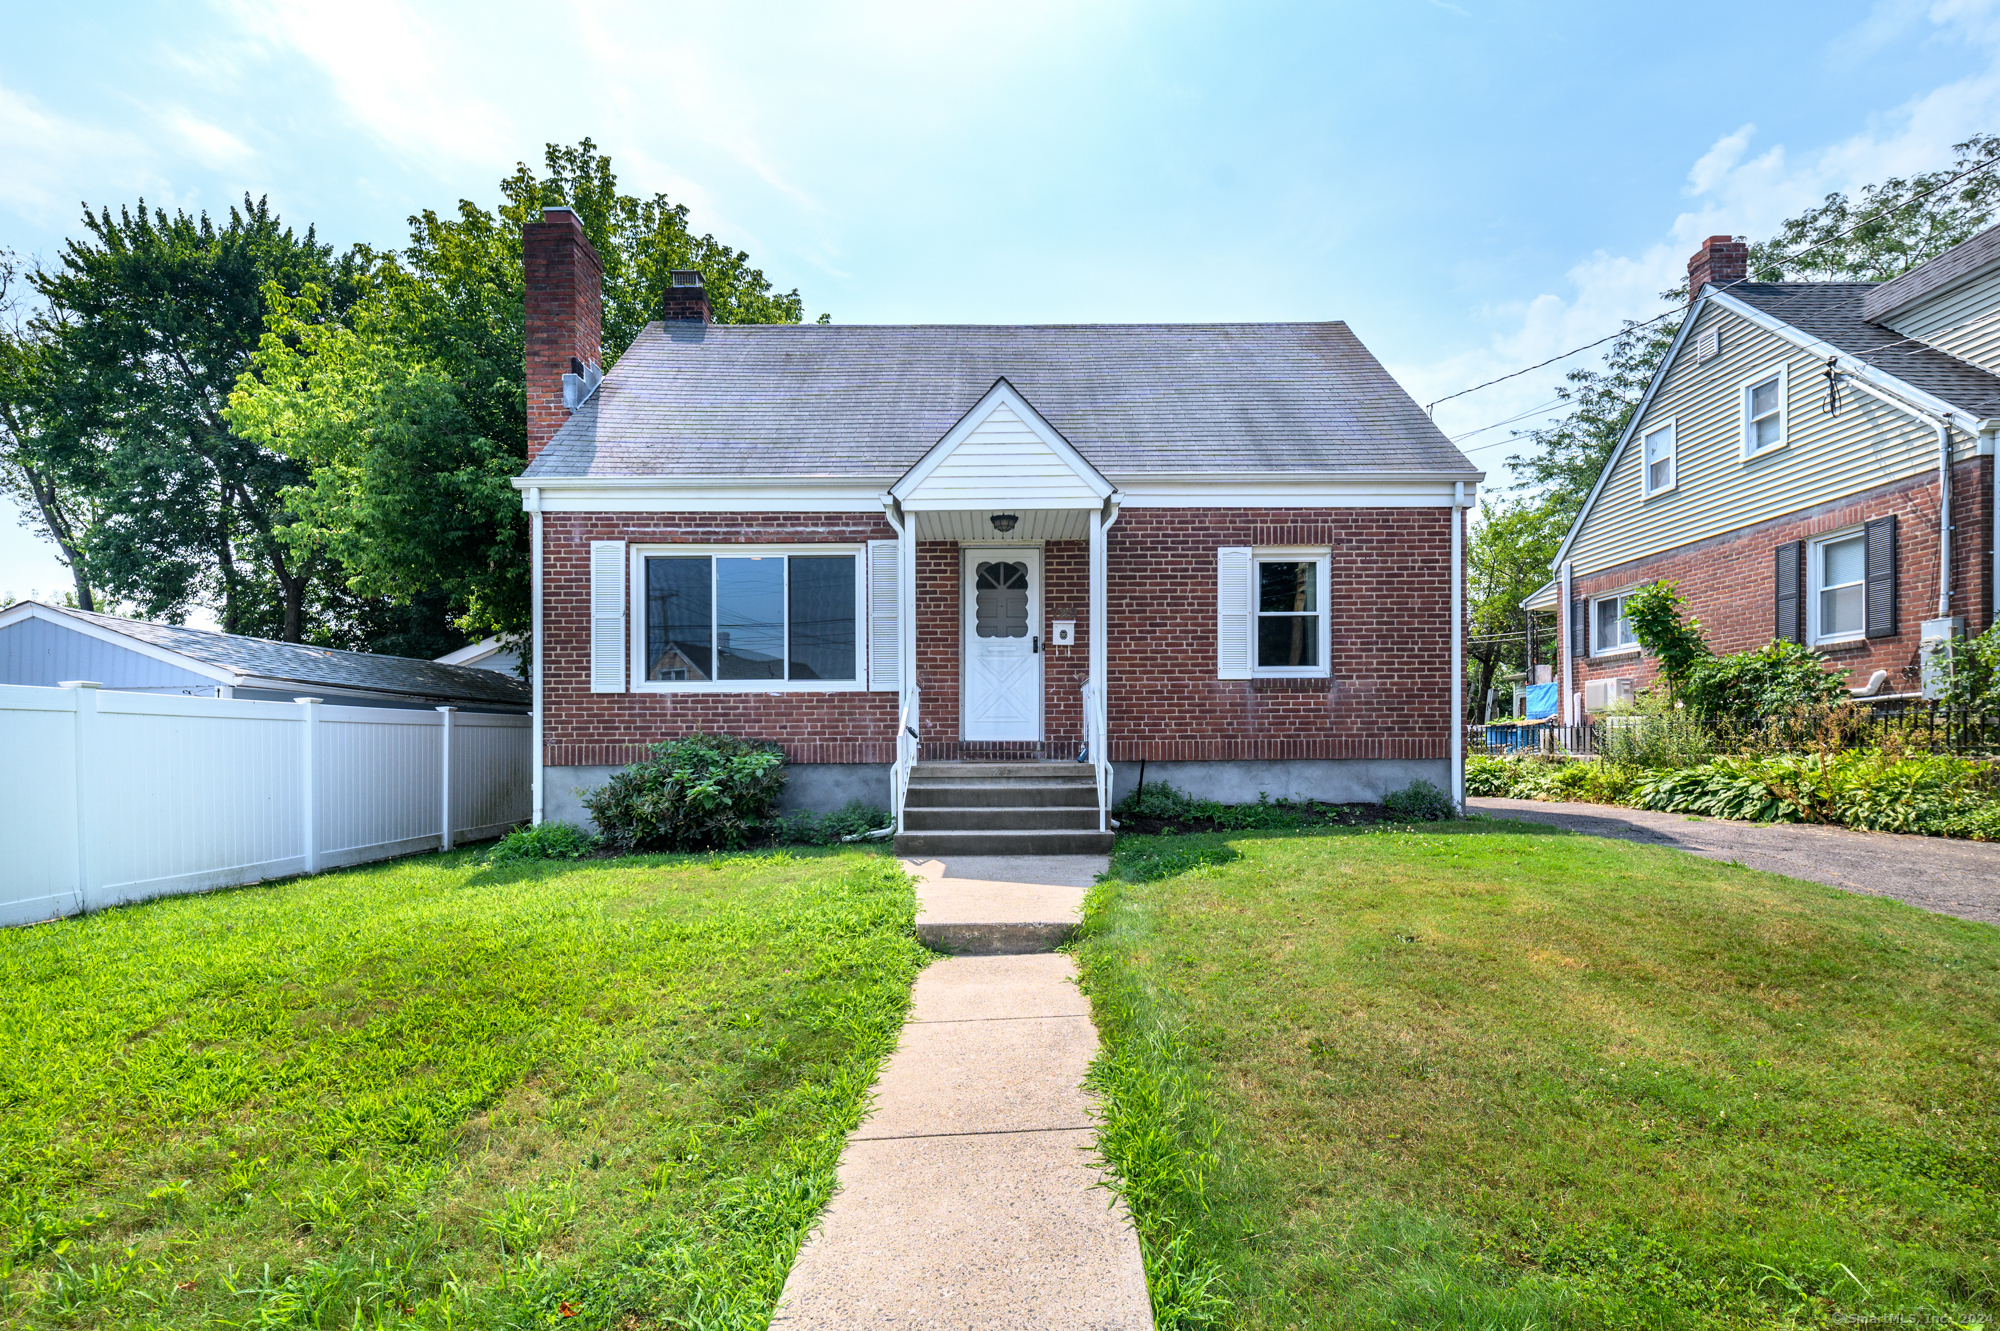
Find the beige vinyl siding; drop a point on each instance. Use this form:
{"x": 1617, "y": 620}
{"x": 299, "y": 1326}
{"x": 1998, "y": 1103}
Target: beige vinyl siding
{"x": 1003, "y": 460}
{"x": 1963, "y": 321}
{"x": 1717, "y": 490}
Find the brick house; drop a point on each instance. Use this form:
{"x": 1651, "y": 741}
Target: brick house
{"x": 1812, "y": 461}
{"x": 1228, "y": 553}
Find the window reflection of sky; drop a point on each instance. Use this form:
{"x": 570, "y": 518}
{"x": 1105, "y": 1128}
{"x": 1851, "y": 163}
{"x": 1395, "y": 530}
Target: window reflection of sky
{"x": 750, "y": 618}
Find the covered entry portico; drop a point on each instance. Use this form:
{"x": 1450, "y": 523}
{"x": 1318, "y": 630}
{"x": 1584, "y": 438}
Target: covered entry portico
{"x": 988, "y": 522}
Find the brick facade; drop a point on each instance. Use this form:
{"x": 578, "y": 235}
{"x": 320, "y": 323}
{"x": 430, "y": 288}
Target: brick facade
{"x": 1388, "y": 697}
{"x": 1728, "y": 580}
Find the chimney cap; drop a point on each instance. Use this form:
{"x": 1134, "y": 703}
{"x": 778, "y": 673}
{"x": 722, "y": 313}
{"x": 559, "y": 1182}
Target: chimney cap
{"x": 686, "y": 277}
{"x": 562, "y": 213}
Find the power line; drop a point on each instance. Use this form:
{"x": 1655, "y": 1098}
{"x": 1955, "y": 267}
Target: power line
{"x": 1986, "y": 165}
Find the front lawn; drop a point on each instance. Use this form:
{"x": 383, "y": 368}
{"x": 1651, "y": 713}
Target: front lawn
{"x": 434, "y": 1094}
{"x": 1493, "y": 1075}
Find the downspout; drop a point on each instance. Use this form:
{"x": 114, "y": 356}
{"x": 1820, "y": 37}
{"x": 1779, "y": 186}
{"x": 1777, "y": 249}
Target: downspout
{"x": 1100, "y": 647}
{"x": 535, "y": 630}
{"x": 1944, "y": 517}
{"x": 1457, "y": 646}
{"x": 1564, "y": 640}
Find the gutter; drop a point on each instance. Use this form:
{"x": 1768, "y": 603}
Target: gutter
{"x": 1941, "y": 422}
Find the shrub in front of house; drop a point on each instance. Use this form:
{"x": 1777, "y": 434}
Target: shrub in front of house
{"x": 702, "y": 792}
{"x": 803, "y": 827}
{"x": 549, "y": 841}
{"x": 1420, "y": 801}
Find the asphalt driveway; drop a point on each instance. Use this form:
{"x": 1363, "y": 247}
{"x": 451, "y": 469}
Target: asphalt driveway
{"x": 1959, "y": 878}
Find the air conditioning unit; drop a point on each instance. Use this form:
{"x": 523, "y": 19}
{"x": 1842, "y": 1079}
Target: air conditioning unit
{"x": 1601, "y": 695}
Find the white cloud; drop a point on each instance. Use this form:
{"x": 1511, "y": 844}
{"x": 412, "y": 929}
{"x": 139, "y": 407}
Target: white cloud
{"x": 1729, "y": 192}
{"x": 213, "y": 146}
{"x": 46, "y": 152}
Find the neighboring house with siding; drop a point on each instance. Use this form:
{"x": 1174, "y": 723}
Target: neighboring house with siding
{"x": 1226, "y": 553}
{"x": 44, "y": 645}
{"x": 1783, "y": 468}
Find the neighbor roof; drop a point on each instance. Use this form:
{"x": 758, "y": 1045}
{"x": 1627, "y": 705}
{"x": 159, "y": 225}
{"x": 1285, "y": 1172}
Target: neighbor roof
{"x": 308, "y": 666}
{"x": 1832, "y": 312}
{"x": 717, "y": 400}
{"x": 1955, "y": 264}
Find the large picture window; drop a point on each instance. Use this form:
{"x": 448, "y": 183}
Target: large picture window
{"x": 1291, "y": 629}
{"x": 749, "y": 620}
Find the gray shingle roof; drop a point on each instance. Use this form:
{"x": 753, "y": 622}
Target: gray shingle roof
{"x": 851, "y": 400}
{"x": 1831, "y": 312}
{"x": 325, "y": 667}
{"x": 1956, "y": 263}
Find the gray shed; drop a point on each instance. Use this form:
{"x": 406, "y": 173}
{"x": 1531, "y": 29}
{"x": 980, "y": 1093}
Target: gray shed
{"x": 43, "y": 645}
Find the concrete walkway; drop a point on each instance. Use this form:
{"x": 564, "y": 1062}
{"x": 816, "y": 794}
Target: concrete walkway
{"x": 1949, "y": 877}
{"x": 966, "y": 1198}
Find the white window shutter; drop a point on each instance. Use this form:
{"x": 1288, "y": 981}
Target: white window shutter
{"x": 885, "y": 642}
{"x": 607, "y": 616}
{"x": 1233, "y": 620}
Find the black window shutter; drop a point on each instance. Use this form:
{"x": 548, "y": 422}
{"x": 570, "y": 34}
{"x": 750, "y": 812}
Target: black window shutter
{"x": 1791, "y": 598}
{"x": 1881, "y": 577}
{"x": 1579, "y": 627}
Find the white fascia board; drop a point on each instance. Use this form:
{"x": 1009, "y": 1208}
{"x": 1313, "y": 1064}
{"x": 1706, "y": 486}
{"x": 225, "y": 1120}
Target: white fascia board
{"x": 476, "y": 651}
{"x": 1003, "y": 392}
{"x": 706, "y": 494}
{"x": 1543, "y": 597}
{"x": 1293, "y": 490}
{"x": 55, "y": 614}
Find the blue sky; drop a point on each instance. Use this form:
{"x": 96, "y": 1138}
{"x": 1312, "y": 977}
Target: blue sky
{"x": 1473, "y": 186}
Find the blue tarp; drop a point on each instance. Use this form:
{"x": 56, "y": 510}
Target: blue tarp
{"x": 1541, "y": 701}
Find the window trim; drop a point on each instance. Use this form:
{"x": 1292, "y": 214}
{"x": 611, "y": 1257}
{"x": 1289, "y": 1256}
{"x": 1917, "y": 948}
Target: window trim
{"x": 1322, "y": 558}
{"x": 1590, "y": 619}
{"x": 1746, "y": 433}
{"x": 636, "y": 609}
{"x": 1646, "y": 487}
{"x": 1815, "y": 568}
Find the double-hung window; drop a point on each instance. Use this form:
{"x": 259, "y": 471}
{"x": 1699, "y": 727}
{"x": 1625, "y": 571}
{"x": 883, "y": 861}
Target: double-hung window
{"x": 1610, "y": 631}
{"x": 1764, "y": 414}
{"x": 1659, "y": 446}
{"x": 748, "y": 618}
{"x": 1838, "y": 569}
{"x": 1290, "y": 592}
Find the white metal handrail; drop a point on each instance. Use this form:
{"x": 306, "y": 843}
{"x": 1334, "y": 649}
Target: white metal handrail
{"x": 907, "y": 730}
{"x": 1096, "y": 732}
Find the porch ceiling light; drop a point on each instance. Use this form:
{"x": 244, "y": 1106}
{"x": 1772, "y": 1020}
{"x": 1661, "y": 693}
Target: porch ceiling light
{"x": 1004, "y": 522}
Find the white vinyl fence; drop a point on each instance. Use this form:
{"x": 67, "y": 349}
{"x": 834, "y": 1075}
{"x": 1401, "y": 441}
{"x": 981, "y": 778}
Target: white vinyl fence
{"x": 109, "y": 797}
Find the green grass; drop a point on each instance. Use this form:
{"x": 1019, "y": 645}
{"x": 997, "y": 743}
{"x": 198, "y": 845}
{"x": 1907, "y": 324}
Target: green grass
{"x": 437, "y": 1094}
{"x": 1492, "y": 1075}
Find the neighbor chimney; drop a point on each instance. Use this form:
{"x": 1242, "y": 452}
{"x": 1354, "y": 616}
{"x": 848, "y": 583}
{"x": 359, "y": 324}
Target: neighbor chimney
{"x": 564, "y": 308}
{"x": 1720, "y": 261}
{"x": 685, "y": 298}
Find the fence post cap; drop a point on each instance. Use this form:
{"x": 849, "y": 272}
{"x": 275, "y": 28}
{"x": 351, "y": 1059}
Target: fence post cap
{"x": 447, "y": 709}
{"x": 78, "y": 684}
{"x": 308, "y": 700}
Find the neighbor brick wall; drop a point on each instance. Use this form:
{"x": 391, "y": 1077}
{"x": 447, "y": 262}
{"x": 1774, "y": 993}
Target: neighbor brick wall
{"x": 1727, "y": 580}
{"x": 1389, "y": 695}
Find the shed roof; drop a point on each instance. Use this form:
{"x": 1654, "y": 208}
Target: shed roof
{"x": 720, "y": 400}
{"x": 315, "y": 667}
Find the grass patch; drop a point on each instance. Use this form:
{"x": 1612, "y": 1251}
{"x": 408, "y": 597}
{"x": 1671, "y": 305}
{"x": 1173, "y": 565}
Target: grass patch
{"x": 1488, "y": 1074}
{"x": 437, "y": 1093}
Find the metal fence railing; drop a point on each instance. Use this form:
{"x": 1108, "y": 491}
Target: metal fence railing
{"x": 1912, "y": 724}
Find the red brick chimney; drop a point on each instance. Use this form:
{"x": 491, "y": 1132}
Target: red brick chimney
{"x": 685, "y": 297}
{"x": 564, "y": 308}
{"x": 1720, "y": 261}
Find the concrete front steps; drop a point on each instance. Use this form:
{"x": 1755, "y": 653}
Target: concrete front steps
{"x": 1001, "y": 809}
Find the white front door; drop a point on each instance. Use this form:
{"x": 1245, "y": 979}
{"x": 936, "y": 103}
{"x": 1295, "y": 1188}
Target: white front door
{"x": 1001, "y": 597}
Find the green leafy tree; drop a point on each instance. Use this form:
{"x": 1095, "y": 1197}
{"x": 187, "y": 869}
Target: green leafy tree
{"x": 150, "y": 319}
{"x": 1505, "y": 561}
{"x": 409, "y": 411}
{"x": 53, "y": 501}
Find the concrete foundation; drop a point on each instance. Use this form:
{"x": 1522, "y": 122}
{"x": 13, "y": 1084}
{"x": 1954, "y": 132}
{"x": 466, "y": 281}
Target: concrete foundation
{"x": 1334, "y": 780}
{"x": 821, "y": 787}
